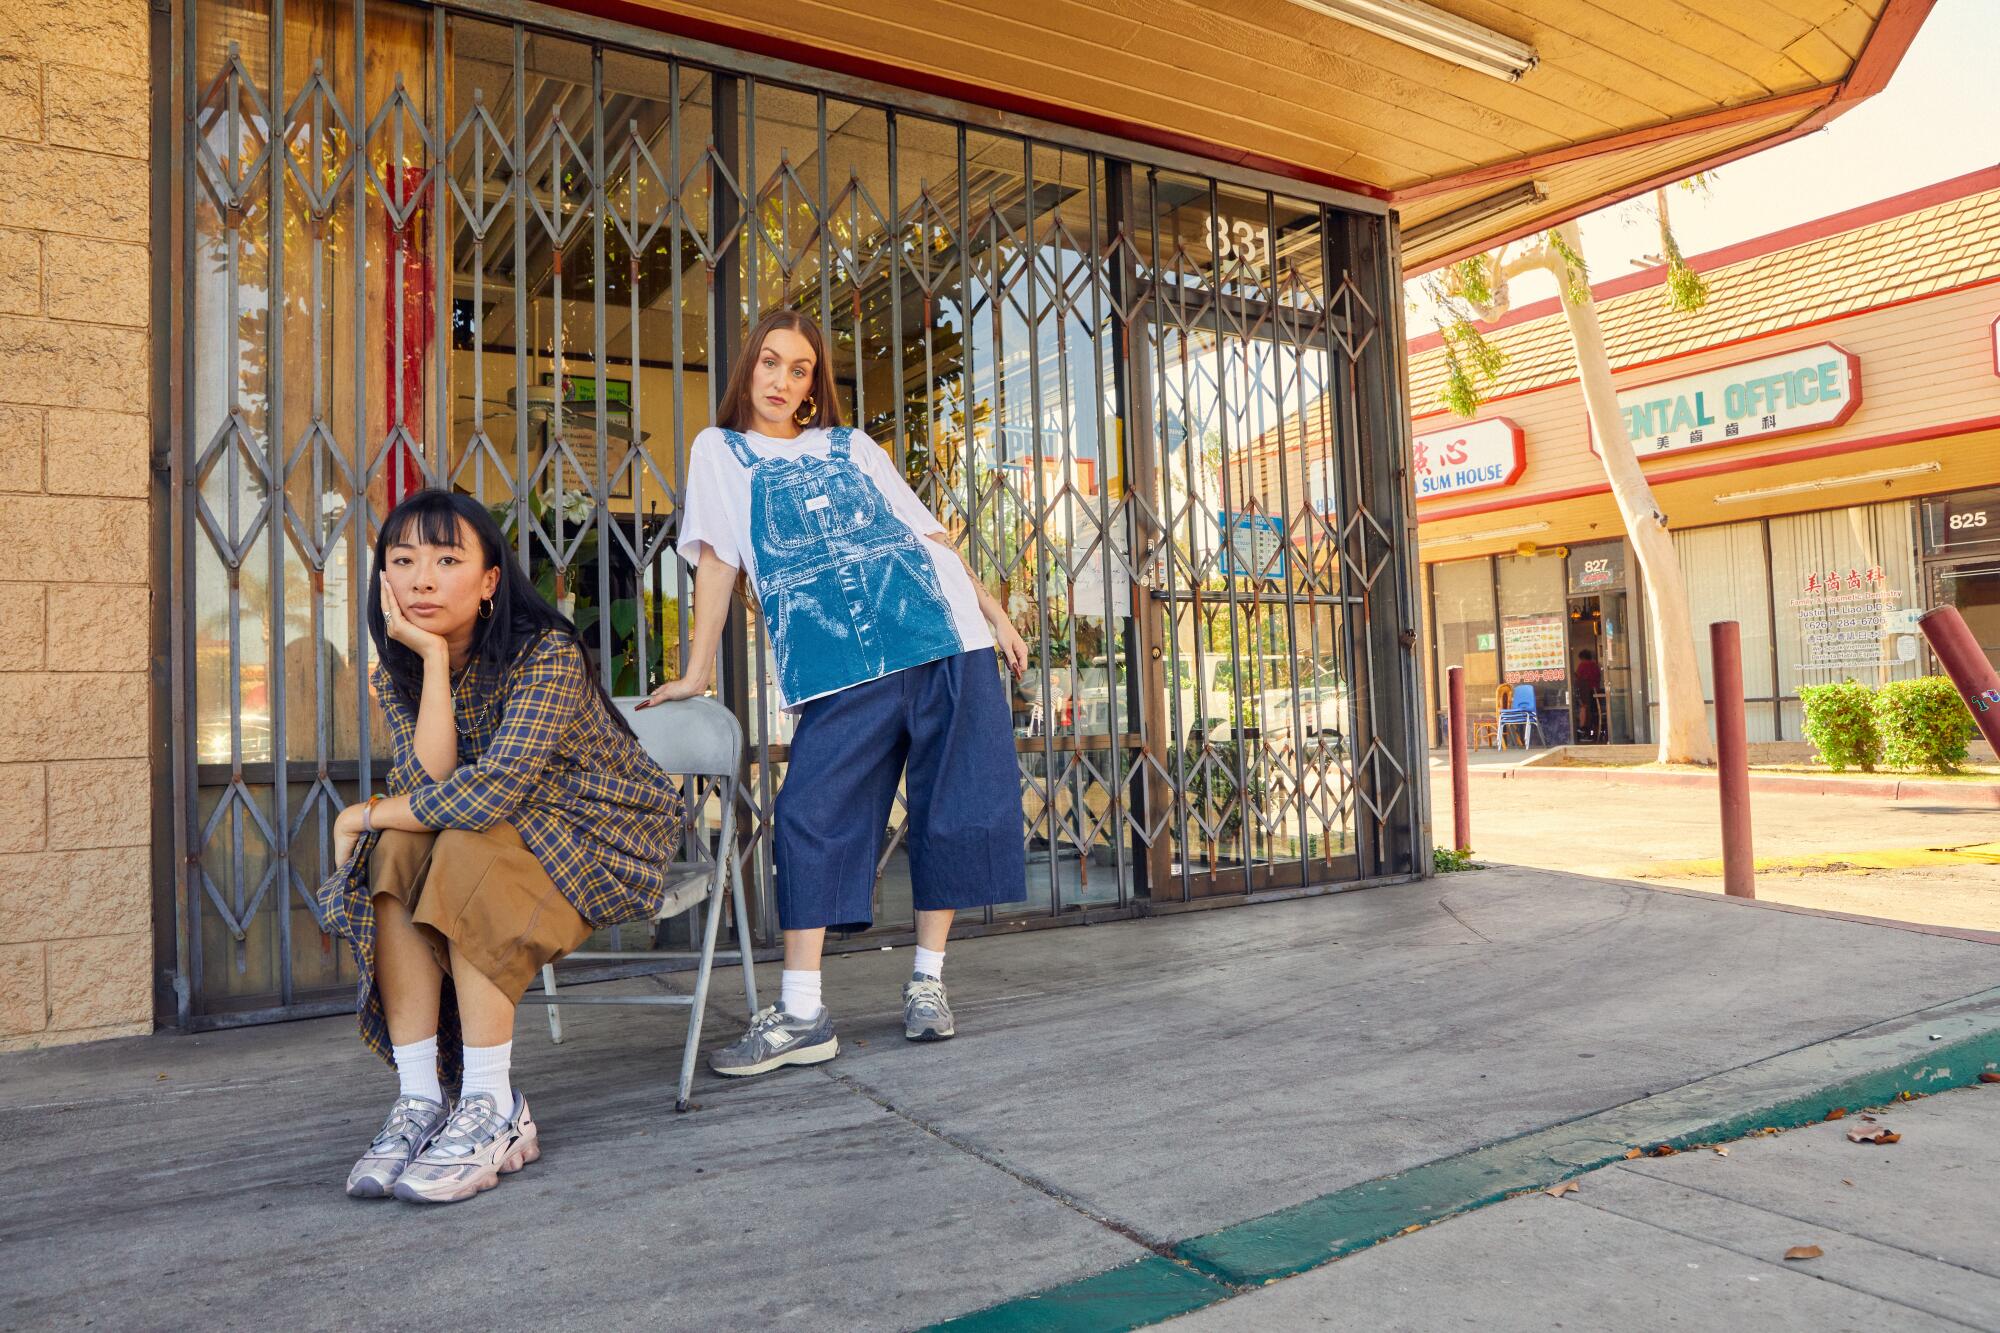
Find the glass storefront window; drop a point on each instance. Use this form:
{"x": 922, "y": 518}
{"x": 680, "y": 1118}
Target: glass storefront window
{"x": 1845, "y": 584}
{"x": 1728, "y": 579}
{"x": 1466, "y": 633}
{"x": 1533, "y": 637}
{"x": 426, "y": 248}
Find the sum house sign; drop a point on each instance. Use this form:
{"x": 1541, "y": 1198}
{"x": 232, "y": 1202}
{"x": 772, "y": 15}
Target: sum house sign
{"x": 1806, "y": 388}
{"x": 1477, "y": 456}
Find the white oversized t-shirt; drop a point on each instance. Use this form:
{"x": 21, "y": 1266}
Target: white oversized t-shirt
{"x": 716, "y": 513}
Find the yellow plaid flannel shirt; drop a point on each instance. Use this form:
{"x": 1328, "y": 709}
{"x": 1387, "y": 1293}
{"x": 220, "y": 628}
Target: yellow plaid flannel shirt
{"x": 543, "y": 753}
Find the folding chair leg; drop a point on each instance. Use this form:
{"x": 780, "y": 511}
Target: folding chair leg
{"x": 712, "y": 910}
{"x": 555, "y": 1011}
{"x": 735, "y": 873}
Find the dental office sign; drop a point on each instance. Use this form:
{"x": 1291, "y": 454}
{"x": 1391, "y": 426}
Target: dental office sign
{"x": 1807, "y": 388}
{"x": 1477, "y": 456}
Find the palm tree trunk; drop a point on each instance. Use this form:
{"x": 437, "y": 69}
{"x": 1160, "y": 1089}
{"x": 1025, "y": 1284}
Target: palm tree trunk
{"x": 1684, "y": 732}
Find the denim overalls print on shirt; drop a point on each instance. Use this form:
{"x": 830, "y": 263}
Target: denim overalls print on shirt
{"x": 848, "y": 590}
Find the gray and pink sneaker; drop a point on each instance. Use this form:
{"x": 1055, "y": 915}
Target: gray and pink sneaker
{"x": 411, "y": 1121}
{"x": 475, "y": 1147}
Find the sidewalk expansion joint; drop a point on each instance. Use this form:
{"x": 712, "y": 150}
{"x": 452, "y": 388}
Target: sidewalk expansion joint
{"x": 1926, "y": 1051}
{"x": 1162, "y": 1248}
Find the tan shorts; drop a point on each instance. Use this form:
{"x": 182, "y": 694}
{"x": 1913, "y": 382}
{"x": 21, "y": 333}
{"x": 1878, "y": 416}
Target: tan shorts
{"x": 482, "y": 892}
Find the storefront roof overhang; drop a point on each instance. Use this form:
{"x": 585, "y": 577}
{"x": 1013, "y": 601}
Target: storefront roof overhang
{"x": 1617, "y": 101}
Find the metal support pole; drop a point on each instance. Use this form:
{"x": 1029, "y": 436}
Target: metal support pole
{"x": 1732, "y": 757}
{"x": 1958, "y": 653}
{"x": 1461, "y": 766}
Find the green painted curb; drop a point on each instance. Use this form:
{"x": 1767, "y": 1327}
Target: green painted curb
{"x": 1930, "y": 1051}
{"x": 1724, "y": 1106}
{"x": 1129, "y": 1296}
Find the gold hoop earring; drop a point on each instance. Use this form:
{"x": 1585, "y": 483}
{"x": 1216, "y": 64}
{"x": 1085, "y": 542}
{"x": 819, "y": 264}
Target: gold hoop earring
{"x": 486, "y": 608}
{"x": 807, "y": 411}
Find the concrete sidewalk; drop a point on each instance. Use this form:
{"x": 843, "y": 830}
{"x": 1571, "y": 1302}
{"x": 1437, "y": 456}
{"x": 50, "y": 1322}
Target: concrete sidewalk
{"x": 1116, "y": 1091}
{"x": 1633, "y": 830}
{"x": 1907, "y": 1235}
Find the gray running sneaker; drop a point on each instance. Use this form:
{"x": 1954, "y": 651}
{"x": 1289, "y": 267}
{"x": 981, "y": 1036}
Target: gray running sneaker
{"x": 410, "y": 1123}
{"x": 926, "y": 1011}
{"x": 475, "y": 1147}
{"x": 776, "y": 1039}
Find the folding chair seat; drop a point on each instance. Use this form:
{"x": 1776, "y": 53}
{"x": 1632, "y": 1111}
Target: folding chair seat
{"x": 697, "y": 739}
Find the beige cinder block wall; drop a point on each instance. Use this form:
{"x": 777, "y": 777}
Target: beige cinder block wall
{"x": 76, "y": 950}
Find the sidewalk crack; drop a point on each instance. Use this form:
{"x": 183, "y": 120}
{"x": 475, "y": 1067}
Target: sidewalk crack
{"x": 1164, "y": 1249}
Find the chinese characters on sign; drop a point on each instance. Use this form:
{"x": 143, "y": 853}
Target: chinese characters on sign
{"x": 1806, "y": 388}
{"x": 1477, "y": 456}
{"x": 1533, "y": 647}
{"x": 1844, "y": 618}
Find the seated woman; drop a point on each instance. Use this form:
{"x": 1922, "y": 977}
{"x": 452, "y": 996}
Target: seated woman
{"x": 522, "y": 814}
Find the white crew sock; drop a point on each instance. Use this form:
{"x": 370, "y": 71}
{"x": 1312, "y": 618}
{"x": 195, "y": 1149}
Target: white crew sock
{"x": 930, "y": 963}
{"x": 798, "y": 993}
{"x": 417, "y": 1069}
{"x": 487, "y": 1069}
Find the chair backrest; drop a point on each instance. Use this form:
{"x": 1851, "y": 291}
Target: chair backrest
{"x": 1524, "y": 699}
{"x": 1503, "y": 695}
{"x": 688, "y": 736}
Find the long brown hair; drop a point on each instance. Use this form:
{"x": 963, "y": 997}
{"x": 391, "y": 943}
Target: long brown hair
{"x": 734, "y": 411}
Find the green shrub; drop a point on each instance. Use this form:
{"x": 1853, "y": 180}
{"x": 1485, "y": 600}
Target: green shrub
{"x": 1840, "y": 723}
{"x": 1924, "y": 724}
{"x": 1444, "y": 860}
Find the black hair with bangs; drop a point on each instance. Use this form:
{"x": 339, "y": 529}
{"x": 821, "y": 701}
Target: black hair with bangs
{"x": 521, "y": 615}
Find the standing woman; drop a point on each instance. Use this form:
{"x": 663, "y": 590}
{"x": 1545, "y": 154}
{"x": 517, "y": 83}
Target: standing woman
{"x": 885, "y": 651}
{"x": 521, "y": 814}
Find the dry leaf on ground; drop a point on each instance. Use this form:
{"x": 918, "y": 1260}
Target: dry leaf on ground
{"x": 1722, "y": 1152}
{"x": 1837, "y": 1113}
{"x": 1665, "y": 1150}
{"x": 1804, "y": 1252}
{"x": 1557, "y": 1191}
{"x": 1988, "y": 1077}
{"x": 1872, "y": 1134}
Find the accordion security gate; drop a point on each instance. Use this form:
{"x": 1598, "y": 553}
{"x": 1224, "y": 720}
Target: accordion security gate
{"x": 510, "y": 250}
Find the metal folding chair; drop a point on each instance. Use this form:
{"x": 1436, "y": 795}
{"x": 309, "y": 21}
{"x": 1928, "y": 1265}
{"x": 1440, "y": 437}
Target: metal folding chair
{"x": 698, "y": 739}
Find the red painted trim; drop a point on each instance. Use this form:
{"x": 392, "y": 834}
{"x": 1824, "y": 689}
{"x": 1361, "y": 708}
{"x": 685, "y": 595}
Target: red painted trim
{"x": 1888, "y": 42}
{"x": 1819, "y": 229}
{"x": 1606, "y": 199}
{"x": 1511, "y": 502}
{"x": 1515, "y": 439}
{"x": 1808, "y": 99}
{"x": 963, "y": 90}
{"x": 1735, "y": 342}
{"x": 1914, "y": 435}
{"x": 1746, "y": 464}
{"x": 1840, "y": 419}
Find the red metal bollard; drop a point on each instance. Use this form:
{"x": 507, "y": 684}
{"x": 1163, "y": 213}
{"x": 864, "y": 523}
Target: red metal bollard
{"x": 1958, "y": 653}
{"x": 1461, "y": 767}
{"x": 1732, "y": 760}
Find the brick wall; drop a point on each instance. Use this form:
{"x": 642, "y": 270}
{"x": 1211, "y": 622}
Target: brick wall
{"x": 76, "y": 951}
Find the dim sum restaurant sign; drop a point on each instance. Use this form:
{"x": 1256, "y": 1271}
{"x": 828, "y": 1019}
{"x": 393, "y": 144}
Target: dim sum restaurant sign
{"x": 1476, "y": 456}
{"x": 1807, "y": 388}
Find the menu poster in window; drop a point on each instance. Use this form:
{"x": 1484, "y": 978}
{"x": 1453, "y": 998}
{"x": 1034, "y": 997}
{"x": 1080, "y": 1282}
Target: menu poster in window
{"x": 579, "y": 431}
{"x": 1534, "y": 647}
{"x": 1844, "y": 618}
